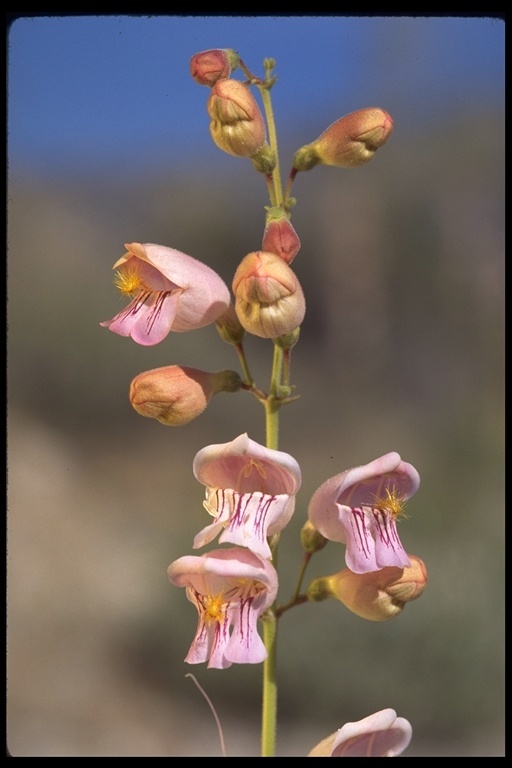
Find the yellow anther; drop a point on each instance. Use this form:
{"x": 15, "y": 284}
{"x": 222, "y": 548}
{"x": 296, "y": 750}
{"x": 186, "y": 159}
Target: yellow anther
{"x": 128, "y": 281}
{"x": 258, "y": 466}
{"x": 213, "y": 608}
{"x": 392, "y": 502}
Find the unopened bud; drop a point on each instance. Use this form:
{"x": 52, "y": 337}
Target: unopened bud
{"x": 377, "y": 595}
{"x": 269, "y": 300}
{"x": 279, "y": 236}
{"x": 175, "y": 394}
{"x": 207, "y": 67}
{"x": 350, "y": 141}
{"x": 311, "y": 539}
{"x": 237, "y": 126}
{"x": 229, "y": 326}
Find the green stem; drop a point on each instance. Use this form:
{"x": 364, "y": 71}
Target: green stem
{"x": 297, "y": 598}
{"x": 305, "y": 562}
{"x": 272, "y": 404}
{"x": 270, "y": 188}
{"x": 291, "y": 179}
{"x": 244, "y": 364}
{"x": 269, "y": 710}
{"x": 277, "y": 197}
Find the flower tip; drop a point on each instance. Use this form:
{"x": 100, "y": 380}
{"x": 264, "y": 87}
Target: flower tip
{"x": 206, "y": 67}
{"x": 382, "y": 734}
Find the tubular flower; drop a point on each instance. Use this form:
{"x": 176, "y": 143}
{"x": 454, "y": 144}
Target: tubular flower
{"x": 376, "y": 595}
{"x": 359, "y": 508}
{"x": 269, "y": 300}
{"x": 250, "y": 491}
{"x": 170, "y": 292}
{"x": 382, "y": 734}
{"x": 177, "y": 394}
{"x": 230, "y": 589}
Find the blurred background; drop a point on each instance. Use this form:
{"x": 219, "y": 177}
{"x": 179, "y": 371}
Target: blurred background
{"x": 402, "y": 265}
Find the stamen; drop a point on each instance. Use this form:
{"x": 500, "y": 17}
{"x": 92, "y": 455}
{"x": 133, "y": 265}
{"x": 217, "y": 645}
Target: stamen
{"x": 214, "y": 608}
{"x": 128, "y": 281}
{"x": 392, "y": 502}
{"x": 258, "y": 466}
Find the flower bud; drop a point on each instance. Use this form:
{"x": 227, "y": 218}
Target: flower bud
{"x": 229, "y": 326}
{"x": 311, "y": 539}
{"x": 350, "y": 141}
{"x": 279, "y": 236}
{"x": 269, "y": 300}
{"x": 207, "y": 67}
{"x": 175, "y": 394}
{"x": 237, "y": 126}
{"x": 376, "y": 595}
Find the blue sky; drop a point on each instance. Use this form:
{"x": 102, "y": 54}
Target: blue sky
{"x": 87, "y": 91}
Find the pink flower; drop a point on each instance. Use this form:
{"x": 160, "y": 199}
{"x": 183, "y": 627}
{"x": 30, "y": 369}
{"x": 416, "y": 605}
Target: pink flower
{"x": 382, "y": 734}
{"x": 170, "y": 292}
{"x": 250, "y": 491}
{"x": 230, "y": 589}
{"x": 359, "y": 508}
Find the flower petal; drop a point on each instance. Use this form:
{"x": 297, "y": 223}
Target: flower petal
{"x": 389, "y": 550}
{"x": 382, "y": 734}
{"x": 359, "y": 486}
{"x": 147, "y": 319}
{"x": 205, "y": 295}
{"x": 360, "y": 552}
{"x": 246, "y": 466}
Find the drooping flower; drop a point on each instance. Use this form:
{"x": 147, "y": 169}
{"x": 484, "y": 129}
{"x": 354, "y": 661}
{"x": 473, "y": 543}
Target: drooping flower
{"x": 250, "y": 491}
{"x": 170, "y": 292}
{"x": 376, "y": 595}
{"x": 359, "y": 508}
{"x": 230, "y": 589}
{"x": 382, "y": 734}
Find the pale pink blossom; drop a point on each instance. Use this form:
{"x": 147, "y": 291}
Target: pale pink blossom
{"x": 250, "y": 492}
{"x": 382, "y": 734}
{"x": 230, "y": 589}
{"x": 359, "y": 508}
{"x": 170, "y": 292}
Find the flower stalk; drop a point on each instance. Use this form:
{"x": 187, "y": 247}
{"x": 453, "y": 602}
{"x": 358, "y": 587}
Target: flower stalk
{"x": 250, "y": 488}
